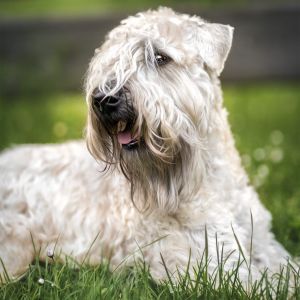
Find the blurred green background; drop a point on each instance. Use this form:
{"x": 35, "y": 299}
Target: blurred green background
{"x": 81, "y": 7}
{"x": 41, "y": 98}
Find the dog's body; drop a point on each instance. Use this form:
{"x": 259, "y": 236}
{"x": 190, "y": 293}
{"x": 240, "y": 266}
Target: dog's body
{"x": 176, "y": 184}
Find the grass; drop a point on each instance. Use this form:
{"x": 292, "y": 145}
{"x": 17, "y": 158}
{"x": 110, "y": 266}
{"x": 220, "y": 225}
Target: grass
{"x": 42, "y": 119}
{"x": 52, "y": 280}
{"x": 80, "y": 7}
{"x": 265, "y": 122}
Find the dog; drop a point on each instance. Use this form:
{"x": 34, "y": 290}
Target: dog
{"x": 160, "y": 177}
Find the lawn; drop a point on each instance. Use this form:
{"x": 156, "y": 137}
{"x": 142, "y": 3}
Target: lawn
{"x": 39, "y": 8}
{"x": 265, "y": 122}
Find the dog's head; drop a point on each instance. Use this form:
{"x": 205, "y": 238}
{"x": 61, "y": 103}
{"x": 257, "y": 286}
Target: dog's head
{"x": 150, "y": 92}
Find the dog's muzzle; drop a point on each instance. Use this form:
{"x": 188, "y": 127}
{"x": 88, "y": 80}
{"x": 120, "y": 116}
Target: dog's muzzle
{"x": 117, "y": 115}
{"x": 105, "y": 104}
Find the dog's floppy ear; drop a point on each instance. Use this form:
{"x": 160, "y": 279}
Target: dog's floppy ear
{"x": 214, "y": 42}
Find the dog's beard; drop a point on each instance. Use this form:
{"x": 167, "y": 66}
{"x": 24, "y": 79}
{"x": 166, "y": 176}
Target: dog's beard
{"x": 156, "y": 168}
{"x": 156, "y": 181}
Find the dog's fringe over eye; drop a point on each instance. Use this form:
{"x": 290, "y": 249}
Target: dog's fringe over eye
{"x": 161, "y": 59}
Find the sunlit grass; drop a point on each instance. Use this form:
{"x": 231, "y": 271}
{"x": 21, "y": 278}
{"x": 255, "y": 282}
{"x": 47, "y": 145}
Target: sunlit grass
{"x": 53, "y": 280}
{"x": 42, "y": 119}
{"x": 265, "y": 122}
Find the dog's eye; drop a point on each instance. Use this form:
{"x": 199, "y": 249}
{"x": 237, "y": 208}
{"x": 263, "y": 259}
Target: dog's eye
{"x": 161, "y": 59}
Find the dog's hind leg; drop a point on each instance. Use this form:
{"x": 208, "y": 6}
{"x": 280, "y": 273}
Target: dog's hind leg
{"x": 16, "y": 245}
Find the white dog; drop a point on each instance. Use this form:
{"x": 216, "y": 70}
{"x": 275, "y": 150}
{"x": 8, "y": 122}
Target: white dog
{"x": 173, "y": 185}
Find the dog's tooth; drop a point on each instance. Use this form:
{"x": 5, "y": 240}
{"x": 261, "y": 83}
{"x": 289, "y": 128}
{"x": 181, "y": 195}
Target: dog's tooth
{"x": 121, "y": 126}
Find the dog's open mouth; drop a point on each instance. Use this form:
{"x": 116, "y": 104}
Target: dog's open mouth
{"x": 126, "y": 138}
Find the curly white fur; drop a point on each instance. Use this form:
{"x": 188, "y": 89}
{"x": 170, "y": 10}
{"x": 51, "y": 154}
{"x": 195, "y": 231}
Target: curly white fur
{"x": 189, "y": 182}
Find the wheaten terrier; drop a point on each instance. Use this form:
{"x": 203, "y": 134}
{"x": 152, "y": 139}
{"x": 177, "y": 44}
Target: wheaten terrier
{"x": 164, "y": 178}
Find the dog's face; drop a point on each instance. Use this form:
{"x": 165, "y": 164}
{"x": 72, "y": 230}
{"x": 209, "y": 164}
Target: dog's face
{"x": 150, "y": 90}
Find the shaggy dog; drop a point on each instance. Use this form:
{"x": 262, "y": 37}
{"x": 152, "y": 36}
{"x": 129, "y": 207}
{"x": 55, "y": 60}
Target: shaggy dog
{"x": 173, "y": 185}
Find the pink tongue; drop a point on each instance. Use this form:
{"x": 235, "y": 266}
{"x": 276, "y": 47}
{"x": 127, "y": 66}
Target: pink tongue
{"x": 124, "y": 137}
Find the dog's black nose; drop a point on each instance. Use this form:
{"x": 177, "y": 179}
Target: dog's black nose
{"x": 103, "y": 103}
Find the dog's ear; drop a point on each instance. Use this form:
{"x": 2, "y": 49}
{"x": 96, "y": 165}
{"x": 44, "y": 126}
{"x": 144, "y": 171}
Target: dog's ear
{"x": 214, "y": 42}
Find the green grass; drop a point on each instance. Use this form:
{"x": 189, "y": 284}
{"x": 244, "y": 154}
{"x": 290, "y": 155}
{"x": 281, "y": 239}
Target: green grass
{"x": 42, "y": 119}
{"x": 80, "y": 7}
{"x": 53, "y": 280}
{"x": 265, "y": 122}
